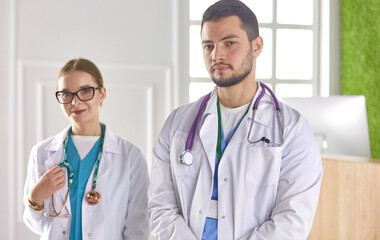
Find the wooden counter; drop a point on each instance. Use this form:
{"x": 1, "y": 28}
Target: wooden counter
{"x": 349, "y": 202}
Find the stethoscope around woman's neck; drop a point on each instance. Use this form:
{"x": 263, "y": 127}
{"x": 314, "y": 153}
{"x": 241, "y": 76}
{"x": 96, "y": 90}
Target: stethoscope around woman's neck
{"x": 186, "y": 157}
{"x": 92, "y": 197}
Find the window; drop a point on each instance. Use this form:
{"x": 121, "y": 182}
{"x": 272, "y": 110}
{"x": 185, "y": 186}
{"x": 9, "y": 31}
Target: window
{"x": 289, "y": 62}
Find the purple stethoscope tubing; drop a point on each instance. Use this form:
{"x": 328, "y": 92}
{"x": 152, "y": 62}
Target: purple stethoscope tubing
{"x": 278, "y": 110}
{"x": 186, "y": 157}
{"x": 191, "y": 135}
{"x": 265, "y": 87}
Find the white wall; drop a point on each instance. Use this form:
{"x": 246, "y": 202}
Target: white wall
{"x": 133, "y": 43}
{"x": 4, "y": 109}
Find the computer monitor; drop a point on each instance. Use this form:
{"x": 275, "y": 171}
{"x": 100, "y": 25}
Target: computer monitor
{"x": 339, "y": 123}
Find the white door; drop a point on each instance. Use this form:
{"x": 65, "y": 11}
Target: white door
{"x": 132, "y": 44}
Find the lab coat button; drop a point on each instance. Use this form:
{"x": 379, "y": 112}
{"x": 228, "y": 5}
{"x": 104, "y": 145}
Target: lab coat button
{"x": 223, "y": 217}
{"x": 63, "y": 232}
{"x": 225, "y": 179}
{"x": 200, "y": 211}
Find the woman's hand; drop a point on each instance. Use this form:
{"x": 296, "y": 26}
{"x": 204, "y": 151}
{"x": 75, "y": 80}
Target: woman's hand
{"x": 50, "y": 182}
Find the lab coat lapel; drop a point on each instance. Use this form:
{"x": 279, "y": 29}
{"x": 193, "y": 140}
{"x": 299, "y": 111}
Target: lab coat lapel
{"x": 109, "y": 148}
{"x": 209, "y": 130}
{"x": 103, "y": 171}
{"x": 263, "y": 116}
{"x": 264, "y": 119}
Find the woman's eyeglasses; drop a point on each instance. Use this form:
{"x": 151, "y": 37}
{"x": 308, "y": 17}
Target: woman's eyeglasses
{"x": 85, "y": 94}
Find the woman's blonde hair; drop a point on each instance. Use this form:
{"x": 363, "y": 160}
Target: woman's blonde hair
{"x": 84, "y": 65}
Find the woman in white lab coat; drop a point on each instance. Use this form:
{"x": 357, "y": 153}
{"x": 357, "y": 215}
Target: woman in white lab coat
{"x": 85, "y": 182}
{"x": 264, "y": 191}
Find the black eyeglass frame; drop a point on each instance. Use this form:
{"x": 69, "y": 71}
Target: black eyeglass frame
{"x": 76, "y": 94}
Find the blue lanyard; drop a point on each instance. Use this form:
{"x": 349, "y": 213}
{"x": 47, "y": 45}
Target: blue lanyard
{"x": 219, "y": 150}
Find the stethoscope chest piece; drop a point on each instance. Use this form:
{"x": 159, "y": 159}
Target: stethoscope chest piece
{"x": 93, "y": 197}
{"x": 186, "y": 158}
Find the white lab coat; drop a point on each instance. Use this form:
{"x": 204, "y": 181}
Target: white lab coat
{"x": 264, "y": 192}
{"x": 122, "y": 182}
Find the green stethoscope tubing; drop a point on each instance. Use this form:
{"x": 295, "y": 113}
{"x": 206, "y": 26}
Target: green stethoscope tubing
{"x": 66, "y": 164}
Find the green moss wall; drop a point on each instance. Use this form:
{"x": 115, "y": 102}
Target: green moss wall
{"x": 360, "y": 63}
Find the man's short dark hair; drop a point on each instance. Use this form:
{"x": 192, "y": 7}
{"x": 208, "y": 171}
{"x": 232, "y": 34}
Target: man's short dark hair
{"x": 228, "y": 8}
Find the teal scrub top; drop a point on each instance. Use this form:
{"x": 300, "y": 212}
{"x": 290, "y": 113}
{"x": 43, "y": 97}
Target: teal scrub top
{"x": 82, "y": 170}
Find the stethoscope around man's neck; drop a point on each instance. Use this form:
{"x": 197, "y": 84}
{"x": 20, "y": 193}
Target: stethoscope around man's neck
{"x": 186, "y": 157}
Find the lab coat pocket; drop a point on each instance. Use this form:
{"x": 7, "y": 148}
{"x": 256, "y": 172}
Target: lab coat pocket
{"x": 263, "y": 165}
{"x": 181, "y": 170}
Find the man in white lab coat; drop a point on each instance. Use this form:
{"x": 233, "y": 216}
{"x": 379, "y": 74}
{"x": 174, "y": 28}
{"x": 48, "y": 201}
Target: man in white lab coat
{"x": 250, "y": 171}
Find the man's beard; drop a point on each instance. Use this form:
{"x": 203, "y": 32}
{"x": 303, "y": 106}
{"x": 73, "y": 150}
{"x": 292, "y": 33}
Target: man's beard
{"x": 246, "y": 66}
